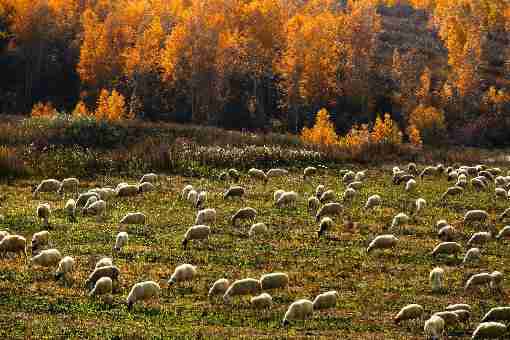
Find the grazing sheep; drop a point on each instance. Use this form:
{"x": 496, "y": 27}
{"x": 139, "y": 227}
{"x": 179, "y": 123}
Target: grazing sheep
{"x": 65, "y": 267}
{"x": 453, "y": 175}
{"x": 244, "y": 214}
{"x": 84, "y": 197}
{"x": 46, "y": 258}
{"x": 313, "y": 204}
{"x": 105, "y": 193}
{"x": 399, "y": 220}
{"x": 70, "y": 209}
{"x": 14, "y": 244}
{"x": 500, "y": 192}
{"x": 446, "y": 233}
{"x": 478, "y": 280}
{"x": 434, "y": 327}
{"x": 96, "y": 209}
{"x": 429, "y": 171}
{"x": 327, "y": 196}
{"x": 242, "y": 287}
{"x": 348, "y": 195}
{"x": 496, "y": 280}
{"x": 489, "y": 330}
{"x": 409, "y": 312}
{"x": 201, "y": 199}
{"x": 146, "y": 187}
{"x": 287, "y": 198}
{"x": 104, "y": 262}
{"x": 276, "y": 173}
{"x": 348, "y": 177}
{"x": 479, "y": 238}
{"x": 111, "y": 271}
{"x": 257, "y": 229}
{"x": 206, "y": 217}
{"x": 90, "y": 201}
{"x": 149, "y": 178}
{"x": 458, "y": 306}
{"x": 142, "y": 291}
{"x": 298, "y": 310}
{"x": 420, "y": 204}
{"x": 447, "y": 248}
{"x": 69, "y": 185}
{"x": 223, "y": 176}
{"x": 452, "y": 191}
{"x": 461, "y": 181}
{"x": 503, "y": 233}
{"x": 325, "y": 300}
{"x": 401, "y": 177}
{"x": 373, "y": 201}
{"x": 3, "y": 234}
{"x": 411, "y": 185}
{"x": 309, "y": 171}
{"x": 274, "y": 281}
{"x": 319, "y": 191}
{"x": 103, "y": 286}
{"x": 436, "y": 279}
{"x": 39, "y": 240}
{"x": 47, "y": 185}
{"x": 127, "y": 190}
{"x": 472, "y": 255}
{"x": 441, "y": 223}
{"x": 329, "y": 209}
{"x": 478, "y": 184}
{"x": 382, "y": 242}
{"x": 486, "y": 174}
{"x": 450, "y": 318}
{"x": 257, "y": 174}
{"x": 133, "y": 218}
{"x": 262, "y": 301}
{"x": 234, "y": 191}
{"x": 505, "y": 214}
{"x": 360, "y": 176}
{"x": 412, "y": 168}
{"x": 183, "y": 273}
{"x": 277, "y": 194}
{"x": 326, "y": 224}
{"x": 356, "y": 185}
{"x": 234, "y": 174}
{"x": 44, "y": 212}
{"x": 121, "y": 240}
{"x": 185, "y": 191}
{"x": 219, "y": 287}
{"x": 197, "y": 232}
{"x": 192, "y": 196}
{"x": 497, "y": 314}
{"x": 476, "y": 216}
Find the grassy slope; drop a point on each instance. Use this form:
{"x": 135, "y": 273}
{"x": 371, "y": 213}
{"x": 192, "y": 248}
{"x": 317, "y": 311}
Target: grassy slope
{"x": 372, "y": 288}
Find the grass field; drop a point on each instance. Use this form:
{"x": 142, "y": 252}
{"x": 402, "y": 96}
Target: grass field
{"x": 372, "y": 288}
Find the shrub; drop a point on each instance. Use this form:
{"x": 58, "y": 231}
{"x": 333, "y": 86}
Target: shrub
{"x": 414, "y": 136}
{"x": 81, "y": 110}
{"x": 386, "y": 131}
{"x": 322, "y": 133}
{"x": 43, "y": 110}
{"x": 357, "y": 139}
{"x": 111, "y": 106}
{"x": 430, "y": 122}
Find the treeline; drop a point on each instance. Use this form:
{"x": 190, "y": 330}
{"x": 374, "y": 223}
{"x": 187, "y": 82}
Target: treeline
{"x": 440, "y": 66}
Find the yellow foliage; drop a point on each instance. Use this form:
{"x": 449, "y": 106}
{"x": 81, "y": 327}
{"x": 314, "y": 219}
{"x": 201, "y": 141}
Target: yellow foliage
{"x": 111, "y": 107}
{"x": 386, "y": 131}
{"x": 429, "y": 121}
{"x": 81, "y": 110}
{"x": 414, "y": 136}
{"x": 357, "y": 139}
{"x": 43, "y": 110}
{"x": 323, "y": 132}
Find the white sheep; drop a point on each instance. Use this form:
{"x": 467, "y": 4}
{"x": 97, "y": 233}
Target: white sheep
{"x": 298, "y": 310}
{"x": 497, "y": 314}
{"x": 277, "y": 194}
{"x": 111, "y": 271}
{"x": 478, "y": 184}
{"x": 458, "y": 306}
{"x": 360, "y": 176}
{"x": 450, "y": 318}
{"x": 197, "y": 232}
{"x": 219, "y": 287}
{"x": 329, "y": 209}
{"x": 500, "y": 192}
{"x": 429, "y": 171}
{"x": 348, "y": 177}
{"x": 313, "y": 204}
{"x": 44, "y": 212}
{"x": 309, "y": 171}
{"x": 134, "y": 218}
{"x": 65, "y": 267}
{"x": 14, "y": 244}
{"x": 411, "y": 185}
{"x": 505, "y": 214}
{"x": 319, "y": 190}
{"x": 489, "y": 330}
{"x": 103, "y": 286}
{"x": 121, "y": 240}
{"x": 287, "y": 199}
{"x": 447, "y": 248}
{"x": 257, "y": 174}
{"x": 149, "y": 178}
{"x": 234, "y": 174}
{"x": 276, "y": 172}
{"x": 436, "y": 279}
{"x": 234, "y": 191}
{"x": 503, "y": 233}
{"x": 247, "y": 286}
{"x": 420, "y": 204}
{"x": 434, "y": 327}
{"x": 441, "y": 223}
{"x": 69, "y": 185}
{"x": 142, "y": 291}
{"x": 446, "y": 233}
{"x": 183, "y": 273}
{"x": 192, "y": 196}
{"x": 84, "y": 197}
{"x": 327, "y": 196}
{"x": 3, "y": 234}
{"x": 201, "y": 199}
{"x": 185, "y": 192}
{"x": 496, "y": 280}
{"x": 97, "y": 208}
{"x": 39, "y": 240}
{"x": 127, "y": 190}
{"x": 326, "y": 224}
{"x": 243, "y": 214}
{"x": 47, "y": 185}
{"x": 105, "y": 193}
{"x": 349, "y": 195}
{"x": 90, "y": 201}
{"x": 479, "y": 238}
{"x": 257, "y": 229}
{"x": 46, "y": 258}
{"x": 373, "y": 201}
{"x": 356, "y": 185}
{"x": 206, "y": 217}
{"x": 262, "y": 301}
{"x": 70, "y": 209}
{"x": 146, "y": 187}
{"x": 325, "y": 300}
{"x": 382, "y": 242}
{"x": 478, "y": 280}
{"x": 104, "y": 262}
{"x": 409, "y": 312}
{"x": 399, "y": 220}
{"x": 472, "y": 255}
{"x": 274, "y": 281}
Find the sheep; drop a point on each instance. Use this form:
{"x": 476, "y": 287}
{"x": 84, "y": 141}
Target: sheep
{"x": 262, "y": 301}
{"x": 450, "y": 318}
{"x": 197, "y": 232}
{"x": 420, "y": 205}
{"x": 399, "y": 220}
{"x": 257, "y": 229}
{"x": 401, "y": 177}
{"x": 447, "y": 248}
{"x": 206, "y": 217}
{"x": 412, "y": 169}
{"x": 46, "y": 258}
{"x": 201, "y": 199}
{"x": 434, "y": 327}
{"x": 287, "y": 198}
{"x": 497, "y": 314}
{"x": 360, "y": 176}
{"x": 84, "y": 197}
{"x": 68, "y": 185}
{"x": 146, "y": 187}
{"x": 500, "y": 192}
{"x": 411, "y": 185}
{"x": 104, "y": 262}
{"x": 313, "y": 204}
{"x": 500, "y": 181}
{"x": 90, "y": 201}
{"x": 429, "y": 171}
{"x": 3, "y": 234}
{"x": 142, "y": 291}
{"x": 234, "y": 174}
{"x": 327, "y": 196}
{"x": 382, "y": 242}
{"x": 247, "y": 286}
{"x": 274, "y": 281}
{"x": 70, "y": 209}
{"x": 276, "y": 173}
{"x": 309, "y": 171}
{"x": 243, "y": 214}
{"x": 111, "y": 271}
{"x": 121, "y": 240}
{"x": 325, "y": 300}
{"x": 97, "y": 208}
{"x": 103, "y": 286}
{"x": 65, "y": 267}
{"x": 183, "y": 273}
{"x": 223, "y": 176}
{"x": 185, "y": 191}
{"x": 277, "y": 194}
{"x": 329, "y": 209}
{"x": 453, "y": 175}
{"x": 452, "y": 191}
{"x": 472, "y": 255}
{"x": 496, "y": 280}
{"x": 127, "y": 190}
{"x": 326, "y": 223}
{"x": 356, "y": 185}
{"x": 409, "y": 312}
{"x": 495, "y": 171}
{"x": 348, "y": 177}
{"x": 441, "y": 223}
{"x": 505, "y": 214}
{"x": 319, "y": 191}
{"x": 149, "y": 178}
{"x": 39, "y": 240}
{"x": 257, "y": 174}
{"x": 348, "y": 195}
{"x": 192, "y": 196}
{"x": 47, "y": 185}
{"x": 14, "y": 244}
{"x": 133, "y": 218}
{"x": 446, "y": 233}
{"x": 479, "y": 238}
{"x": 234, "y": 191}
{"x": 461, "y": 181}
{"x": 477, "y": 280}
{"x": 475, "y": 216}
{"x": 436, "y": 279}
{"x": 489, "y": 330}
{"x": 373, "y": 201}
{"x": 486, "y": 174}
{"x": 44, "y": 212}
{"x": 458, "y": 306}
{"x": 219, "y": 287}
{"x": 298, "y": 310}
{"x": 478, "y": 184}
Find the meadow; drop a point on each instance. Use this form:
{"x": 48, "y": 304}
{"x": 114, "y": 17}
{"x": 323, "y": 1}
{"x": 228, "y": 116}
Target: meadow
{"x": 372, "y": 288}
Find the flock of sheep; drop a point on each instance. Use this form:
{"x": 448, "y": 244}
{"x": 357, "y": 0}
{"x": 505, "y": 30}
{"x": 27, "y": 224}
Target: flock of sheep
{"x": 324, "y": 208}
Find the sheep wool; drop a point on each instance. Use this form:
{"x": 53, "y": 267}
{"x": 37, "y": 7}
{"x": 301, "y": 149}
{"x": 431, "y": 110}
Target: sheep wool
{"x": 329, "y": 209}
{"x": 127, "y": 190}
{"x": 399, "y": 220}
{"x": 183, "y": 272}
{"x": 46, "y": 258}
{"x": 206, "y": 217}
{"x": 257, "y": 174}
{"x": 39, "y": 240}
{"x": 69, "y": 185}
{"x": 104, "y": 262}
{"x": 434, "y": 327}
{"x": 146, "y": 187}
{"x": 446, "y": 233}
{"x": 472, "y": 255}
{"x": 185, "y": 191}
{"x": 447, "y": 248}
{"x": 409, "y": 312}
{"x": 14, "y": 244}
{"x": 262, "y": 301}
{"x": 111, "y": 271}
{"x": 476, "y": 216}
{"x": 70, "y": 209}
{"x": 277, "y": 194}
{"x": 325, "y": 300}
{"x": 436, "y": 279}
{"x": 103, "y": 286}
{"x": 298, "y": 310}
{"x": 65, "y": 266}
{"x": 477, "y": 280}
{"x": 257, "y": 229}
{"x": 479, "y": 238}
{"x": 325, "y": 224}
{"x": 134, "y": 218}
{"x": 382, "y": 242}
{"x": 286, "y": 199}
{"x": 247, "y": 286}
{"x": 503, "y": 233}
{"x": 149, "y": 178}
{"x": 219, "y": 287}
{"x": 43, "y": 212}
{"x": 309, "y": 171}
{"x": 327, "y": 196}
{"x": 244, "y": 214}
{"x": 276, "y": 173}
{"x": 121, "y": 240}
{"x": 497, "y": 314}
{"x": 373, "y": 201}
{"x": 197, "y": 232}
{"x": 489, "y": 330}
{"x": 47, "y": 185}
{"x": 349, "y": 195}
{"x": 274, "y": 281}
{"x": 319, "y": 190}
{"x": 234, "y": 191}
{"x": 411, "y": 185}
{"x": 313, "y": 204}
{"x": 142, "y": 291}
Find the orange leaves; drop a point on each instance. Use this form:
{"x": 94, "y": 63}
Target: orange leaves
{"x": 323, "y": 132}
{"x": 111, "y": 107}
{"x": 414, "y": 136}
{"x": 43, "y": 110}
{"x": 430, "y": 122}
{"x": 386, "y": 131}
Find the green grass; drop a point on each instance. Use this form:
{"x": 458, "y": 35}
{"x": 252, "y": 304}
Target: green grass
{"x": 372, "y": 288}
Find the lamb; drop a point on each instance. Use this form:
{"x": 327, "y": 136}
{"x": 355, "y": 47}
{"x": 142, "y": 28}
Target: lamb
{"x": 309, "y": 171}
{"x": 326, "y": 224}
{"x": 446, "y": 233}
{"x": 219, "y": 287}
{"x": 47, "y": 185}
{"x": 146, "y": 187}
{"x": 411, "y": 185}
{"x": 401, "y": 177}
{"x": 257, "y": 229}
{"x": 373, "y": 201}
{"x": 197, "y": 232}
{"x": 447, "y": 248}
{"x": 329, "y": 209}
{"x": 65, "y": 267}
{"x": 134, "y": 218}
{"x": 472, "y": 255}
{"x": 46, "y": 258}
{"x": 452, "y": 191}
{"x": 39, "y": 240}
{"x": 44, "y": 212}
{"x": 206, "y": 217}
{"x": 461, "y": 181}
{"x": 356, "y": 185}
{"x": 121, "y": 241}
{"x": 475, "y": 216}
{"x": 70, "y": 209}
{"x": 234, "y": 191}
{"x": 277, "y": 194}
{"x": 104, "y": 262}
{"x": 127, "y": 190}
{"x": 325, "y": 300}
{"x": 111, "y": 271}
{"x": 243, "y": 214}
{"x": 399, "y": 220}
{"x": 298, "y": 310}
{"x": 327, "y": 196}
{"x": 201, "y": 199}
{"x": 409, "y": 312}
{"x": 477, "y": 280}
{"x": 497, "y": 314}
{"x": 262, "y": 301}
{"x": 257, "y": 174}
{"x": 185, "y": 191}
{"x": 287, "y": 198}
{"x": 348, "y": 195}
{"x": 434, "y": 327}
{"x": 420, "y": 205}
{"x": 103, "y": 286}
{"x": 319, "y": 191}
{"x": 97, "y": 208}
{"x": 313, "y": 204}
{"x": 479, "y": 238}
{"x": 276, "y": 173}
{"x": 436, "y": 279}
{"x": 14, "y": 244}
{"x": 69, "y": 185}
{"x": 149, "y": 178}
{"x": 142, "y": 291}
{"x": 183, "y": 273}
{"x": 486, "y": 174}
{"x": 242, "y": 287}
{"x": 489, "y": 330}
{"x": 382, "y": 242}
{"x": 274, "y": 281}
